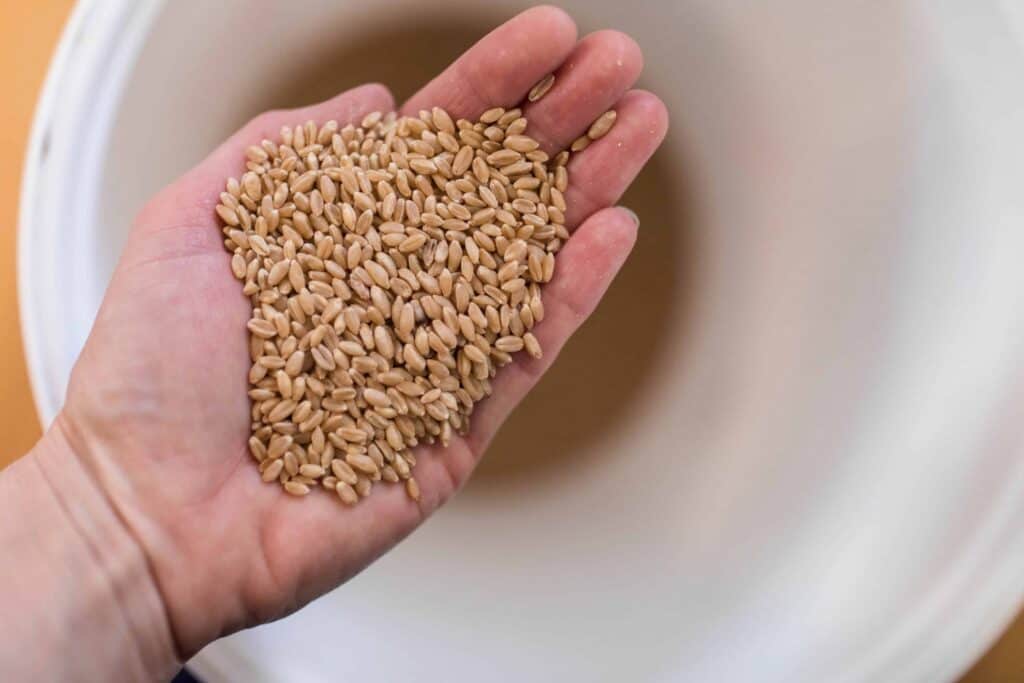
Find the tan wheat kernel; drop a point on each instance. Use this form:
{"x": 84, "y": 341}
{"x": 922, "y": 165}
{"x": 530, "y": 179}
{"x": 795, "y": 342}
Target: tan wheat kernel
{"x": 541, "y": 89}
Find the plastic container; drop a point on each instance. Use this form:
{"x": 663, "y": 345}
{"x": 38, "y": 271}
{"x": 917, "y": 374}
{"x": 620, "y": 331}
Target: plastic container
{"x": 809, "y": 465}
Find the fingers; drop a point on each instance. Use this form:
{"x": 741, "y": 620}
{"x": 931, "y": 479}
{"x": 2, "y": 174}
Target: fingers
{"x": 591, "y": 77}
{"x": 502, "y": 67}
{"x": 600, "y": 174}
{"x": 602, "y": 67}
{"x": 585, "y": 268}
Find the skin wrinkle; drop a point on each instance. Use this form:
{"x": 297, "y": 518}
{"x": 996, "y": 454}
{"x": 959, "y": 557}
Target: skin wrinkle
{"x": 66, "y": 427}
{"x": 97, "y": 557}
{"x": 455, "y": 476}
{"x": 584, "y": 196}
{"x": 198, "y": 215}
{"x": 173, "y": 257}
{"x": 265, "y": 532}
{"x": 477, "y": 101}
{"x": 125, "y": 514}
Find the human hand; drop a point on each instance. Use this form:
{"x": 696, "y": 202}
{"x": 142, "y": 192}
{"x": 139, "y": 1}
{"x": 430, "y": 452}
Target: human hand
{"x": 157, "y": 407}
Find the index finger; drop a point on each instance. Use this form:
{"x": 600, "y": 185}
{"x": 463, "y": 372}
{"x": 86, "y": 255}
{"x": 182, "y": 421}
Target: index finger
{"x": 502, "y": 67}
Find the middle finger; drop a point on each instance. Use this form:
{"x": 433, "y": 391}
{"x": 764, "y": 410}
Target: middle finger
{"x": 601, "y": 68}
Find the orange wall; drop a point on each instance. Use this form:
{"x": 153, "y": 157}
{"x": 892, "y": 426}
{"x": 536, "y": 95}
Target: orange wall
{"x": 28, "y": 32}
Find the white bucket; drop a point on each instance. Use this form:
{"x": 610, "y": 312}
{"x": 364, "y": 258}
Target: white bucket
{"x": 806, "y": 466}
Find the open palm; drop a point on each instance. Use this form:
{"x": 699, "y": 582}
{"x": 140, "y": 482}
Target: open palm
{"x": 157, "y": 406}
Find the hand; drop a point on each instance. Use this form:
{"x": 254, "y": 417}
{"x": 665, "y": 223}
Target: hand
{"x": 157, "y": 407}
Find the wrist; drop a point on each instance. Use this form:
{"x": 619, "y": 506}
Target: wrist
{"x": 81, "y": 581}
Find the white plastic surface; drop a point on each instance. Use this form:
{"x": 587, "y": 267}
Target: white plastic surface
{"x": 809, "y": 467}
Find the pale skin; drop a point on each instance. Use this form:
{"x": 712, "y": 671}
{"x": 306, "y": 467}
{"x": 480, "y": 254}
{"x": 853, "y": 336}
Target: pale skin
{"x": 138, "y": 529}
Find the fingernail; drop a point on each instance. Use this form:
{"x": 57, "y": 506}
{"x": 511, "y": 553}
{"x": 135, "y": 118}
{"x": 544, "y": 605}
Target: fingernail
{"x": 632, "y": 214}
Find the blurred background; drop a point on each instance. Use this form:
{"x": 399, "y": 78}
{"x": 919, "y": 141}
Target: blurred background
{"x": 28, "y": 34}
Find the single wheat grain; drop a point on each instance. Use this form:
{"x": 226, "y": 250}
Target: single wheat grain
{"x": 602, "y": 125}
{"x": 580, "y": 143}
{"x": 541, "y": 89}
